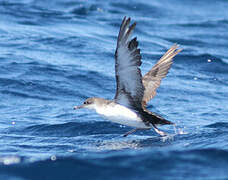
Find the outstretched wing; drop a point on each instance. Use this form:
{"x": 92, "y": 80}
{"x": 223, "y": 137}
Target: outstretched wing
{"x": 152, "y": 79}
{"x": 130, "y": 89}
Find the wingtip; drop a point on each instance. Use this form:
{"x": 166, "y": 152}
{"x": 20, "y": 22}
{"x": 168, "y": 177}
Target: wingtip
{"x": 125, "y": 29}
{"x": 173, "y": 51}
{"x": 127, "y": 20}
{"x": 176, "y": 47}
{"x": 132, "y": 26}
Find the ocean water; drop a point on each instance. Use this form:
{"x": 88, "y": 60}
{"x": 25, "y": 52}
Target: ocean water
{"x": 55, "y": 54}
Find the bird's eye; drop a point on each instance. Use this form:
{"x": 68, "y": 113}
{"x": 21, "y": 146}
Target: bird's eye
{"x": 87, "y": 102}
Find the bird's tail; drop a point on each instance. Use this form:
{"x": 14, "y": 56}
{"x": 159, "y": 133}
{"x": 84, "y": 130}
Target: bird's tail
{"x": 160, "y": 120}
{"x": 155, "y": 119}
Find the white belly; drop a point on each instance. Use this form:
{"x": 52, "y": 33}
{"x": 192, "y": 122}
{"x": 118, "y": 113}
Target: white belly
{"x": 122, "y": 115}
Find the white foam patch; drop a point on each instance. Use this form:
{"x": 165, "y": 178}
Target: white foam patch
{"x": 179, "y": 130}
{"x": 8, "y": 160}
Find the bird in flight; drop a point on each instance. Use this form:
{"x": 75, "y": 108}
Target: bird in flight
{"x": 133, "y": 91}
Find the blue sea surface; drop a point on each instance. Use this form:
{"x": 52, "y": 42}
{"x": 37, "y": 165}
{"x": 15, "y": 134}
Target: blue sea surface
{"x": 55, "y": 54}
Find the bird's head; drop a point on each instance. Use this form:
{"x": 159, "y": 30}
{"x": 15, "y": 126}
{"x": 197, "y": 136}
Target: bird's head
{"x": 90, "y": 103}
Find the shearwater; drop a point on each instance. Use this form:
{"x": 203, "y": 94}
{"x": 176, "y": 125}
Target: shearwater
{"x": 132, "y": 90}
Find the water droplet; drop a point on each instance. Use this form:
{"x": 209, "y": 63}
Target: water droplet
{"x": 99, "y": 10}
{"x": 10, "y": 160}
{"x": 70, "y": 150}
{"x": 53, "y": 158}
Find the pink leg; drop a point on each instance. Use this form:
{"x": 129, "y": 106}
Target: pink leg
{"x": 130, "y": 132}
{"x": 159, "y": 131}
{"x": 134, "y": 130}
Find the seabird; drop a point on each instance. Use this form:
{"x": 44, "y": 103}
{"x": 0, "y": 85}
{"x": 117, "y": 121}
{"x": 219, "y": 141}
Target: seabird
{"x": 133, "y": 90}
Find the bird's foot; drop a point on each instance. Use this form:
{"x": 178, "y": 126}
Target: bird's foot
{"x": 134, "y": 130}
{"x": 161, "y": 133}
{"x": 130, "y": 132}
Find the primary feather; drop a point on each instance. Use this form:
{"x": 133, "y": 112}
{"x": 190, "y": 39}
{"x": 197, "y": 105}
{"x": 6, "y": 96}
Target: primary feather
{"x": 130, "y": 89}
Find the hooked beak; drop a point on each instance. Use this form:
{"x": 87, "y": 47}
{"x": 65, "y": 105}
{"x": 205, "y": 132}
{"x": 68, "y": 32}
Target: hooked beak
{"x": 79, "y": 107}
